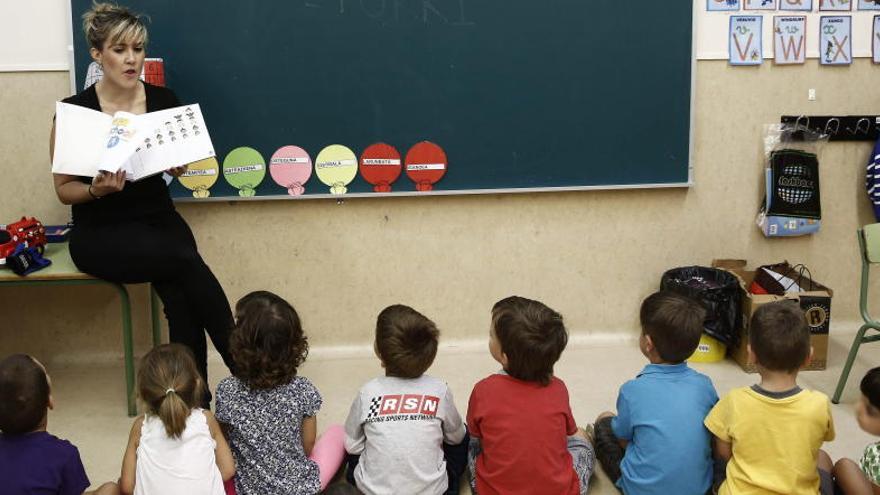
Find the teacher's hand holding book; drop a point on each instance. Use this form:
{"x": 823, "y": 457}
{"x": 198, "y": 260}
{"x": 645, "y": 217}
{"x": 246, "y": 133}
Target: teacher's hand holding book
{"x": 177, "y": 171}
{"x": 106, "y": 183}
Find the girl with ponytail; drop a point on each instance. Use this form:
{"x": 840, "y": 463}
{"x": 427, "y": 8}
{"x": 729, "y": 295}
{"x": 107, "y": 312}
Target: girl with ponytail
{"x": 175, "y": 447}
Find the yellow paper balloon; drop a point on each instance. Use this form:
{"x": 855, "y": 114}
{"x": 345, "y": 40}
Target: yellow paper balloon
{"x": 336, "y": 166}
{"x": 200, "y": 176}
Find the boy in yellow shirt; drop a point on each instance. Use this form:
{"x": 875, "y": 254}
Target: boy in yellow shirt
{"x": 770, "y": 433}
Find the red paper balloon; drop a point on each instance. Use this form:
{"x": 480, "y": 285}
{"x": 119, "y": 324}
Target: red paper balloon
{"x": 380, "y": 166}
{"x": 425, "y": 165}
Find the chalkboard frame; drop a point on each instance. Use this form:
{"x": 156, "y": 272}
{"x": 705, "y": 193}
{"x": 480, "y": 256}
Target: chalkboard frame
{"x": 76, "y": 30}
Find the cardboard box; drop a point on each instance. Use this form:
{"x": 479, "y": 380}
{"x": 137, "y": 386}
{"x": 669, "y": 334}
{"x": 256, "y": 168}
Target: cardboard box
{"x": 816, "y": 304}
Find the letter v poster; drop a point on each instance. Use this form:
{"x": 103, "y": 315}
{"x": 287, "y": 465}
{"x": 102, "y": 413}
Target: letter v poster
{"x": 745, "y": 40}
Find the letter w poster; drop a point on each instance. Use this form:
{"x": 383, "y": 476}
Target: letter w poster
{"x": 790, "y": 39}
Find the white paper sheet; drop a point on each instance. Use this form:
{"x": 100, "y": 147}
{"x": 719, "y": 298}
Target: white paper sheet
{"x": 87, "y": 141}
{"x": 79, "y": 134}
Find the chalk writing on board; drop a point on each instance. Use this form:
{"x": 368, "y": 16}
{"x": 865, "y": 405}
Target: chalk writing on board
{"x": 451, "y": 12}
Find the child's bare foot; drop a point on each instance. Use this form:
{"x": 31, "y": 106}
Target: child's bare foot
{"x": 588, "y": 433}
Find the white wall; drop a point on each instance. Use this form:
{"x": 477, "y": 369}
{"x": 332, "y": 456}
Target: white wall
{"x": 34, "y": 35}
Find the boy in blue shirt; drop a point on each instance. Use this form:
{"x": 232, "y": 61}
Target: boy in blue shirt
{"x": 657, "y": 443}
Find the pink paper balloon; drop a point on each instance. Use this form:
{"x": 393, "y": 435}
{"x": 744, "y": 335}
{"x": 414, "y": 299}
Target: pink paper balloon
{"x": 291, "y": 167}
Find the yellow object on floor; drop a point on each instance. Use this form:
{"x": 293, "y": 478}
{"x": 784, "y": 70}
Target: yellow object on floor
{"x": 710, "y": 350}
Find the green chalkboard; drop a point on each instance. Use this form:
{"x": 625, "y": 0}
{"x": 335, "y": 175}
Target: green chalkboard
{"x": 520, "y": 94}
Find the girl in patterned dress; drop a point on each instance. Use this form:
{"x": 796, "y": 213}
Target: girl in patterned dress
{"x": 175, "y": 448}
{"x": 268, "y": 411}
{"x": 863, "y": 478}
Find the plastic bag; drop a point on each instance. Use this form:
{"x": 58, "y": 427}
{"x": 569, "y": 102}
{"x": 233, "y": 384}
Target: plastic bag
{"x": 791, "y": 204}
{"x": 717, "y": 290}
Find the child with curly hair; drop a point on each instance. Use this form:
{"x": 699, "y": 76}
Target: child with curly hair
{"x": 268, "y": 411}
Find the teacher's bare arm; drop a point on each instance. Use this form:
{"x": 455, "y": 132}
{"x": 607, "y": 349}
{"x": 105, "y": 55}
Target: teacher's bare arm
{"x": 71, "y": 191}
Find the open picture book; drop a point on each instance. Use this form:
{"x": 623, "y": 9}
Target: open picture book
{"x": 88, "y": 141}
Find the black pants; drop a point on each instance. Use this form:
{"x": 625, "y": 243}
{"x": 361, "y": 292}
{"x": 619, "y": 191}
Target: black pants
{"x": 609, "y": 453}
{"x": 161, "y": 249}
{"x": 456, "y": 462}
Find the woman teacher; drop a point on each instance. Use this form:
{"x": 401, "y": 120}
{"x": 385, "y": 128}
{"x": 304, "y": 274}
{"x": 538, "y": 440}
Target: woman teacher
{"x": 129, "y": 232}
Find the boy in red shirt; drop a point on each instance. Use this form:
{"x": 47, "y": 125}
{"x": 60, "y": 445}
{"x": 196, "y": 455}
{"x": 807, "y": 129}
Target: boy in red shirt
{"x": 523, "y": 437}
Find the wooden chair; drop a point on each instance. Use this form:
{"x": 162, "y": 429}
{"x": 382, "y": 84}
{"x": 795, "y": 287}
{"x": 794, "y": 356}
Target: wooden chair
{"x": 869, "y": 245}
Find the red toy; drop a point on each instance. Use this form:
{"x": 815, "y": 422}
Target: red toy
{"x": 154, "y": 71}
{"x": 27, "y": 231}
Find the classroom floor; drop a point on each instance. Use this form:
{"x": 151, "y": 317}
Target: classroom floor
{"x": 90, "y": 409}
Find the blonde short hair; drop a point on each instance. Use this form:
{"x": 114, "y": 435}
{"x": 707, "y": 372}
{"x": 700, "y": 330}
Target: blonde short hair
{"x": 109, "y": 22}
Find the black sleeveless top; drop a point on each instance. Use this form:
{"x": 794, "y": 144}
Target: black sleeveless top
{"x": 139, "y": 199}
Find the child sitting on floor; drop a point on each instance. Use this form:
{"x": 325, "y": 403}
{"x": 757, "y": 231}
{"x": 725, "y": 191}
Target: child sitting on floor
{"x": 662, "y": 409}
{"x": 268, "y": 411}
{"x": 770, "y": 433}
{"x": 176, "y": 448}
{"x": 524, "y": 439}
{"x": 864, "y": 478}
{"x": 31, "y": 459}
{"x": 403, "y": 433}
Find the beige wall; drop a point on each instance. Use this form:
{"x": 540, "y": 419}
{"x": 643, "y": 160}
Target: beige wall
{"x": 591, "y": 255}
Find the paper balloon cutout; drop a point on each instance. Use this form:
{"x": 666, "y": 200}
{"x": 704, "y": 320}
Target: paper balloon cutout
{"x": 200, "y": 176}
{"x": 336, "y": 166}
{"x": 425, "y": 165}
{"x": 291, "y": 167}
{"x": 244, "y": 169}
{"x": 380, "y": 166}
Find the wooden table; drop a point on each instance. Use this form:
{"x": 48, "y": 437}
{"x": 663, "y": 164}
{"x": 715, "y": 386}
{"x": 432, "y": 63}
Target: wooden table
{"x": 62, "y": 271}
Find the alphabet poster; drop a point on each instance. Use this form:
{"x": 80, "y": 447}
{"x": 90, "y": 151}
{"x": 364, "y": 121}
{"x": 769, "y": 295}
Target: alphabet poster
{"x": 721, "y": 5}
{"x": 760, "y": 5}
{"x": 875, "y": 39}
{"x": 790, "y": 39}
{"x": 745, "y": 40}
{"x": 796, "y": 5}
{"x": 835, "y": 5}
{"x": 835, "y": 40}
{"x": 869, "y": 5}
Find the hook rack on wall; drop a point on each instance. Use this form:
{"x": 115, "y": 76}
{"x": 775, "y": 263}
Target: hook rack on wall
{"x": 839, "y": 128}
